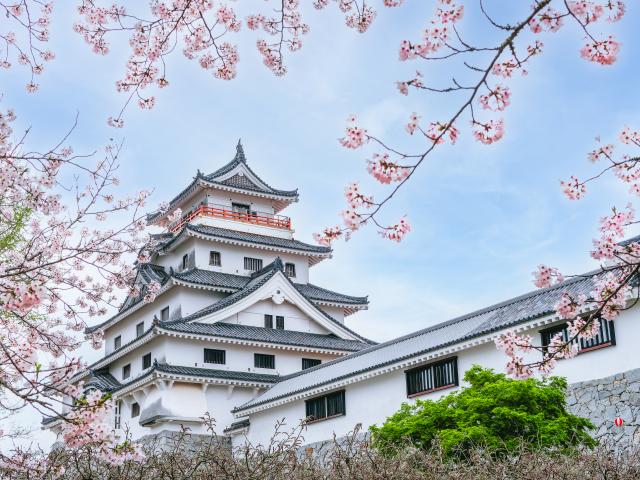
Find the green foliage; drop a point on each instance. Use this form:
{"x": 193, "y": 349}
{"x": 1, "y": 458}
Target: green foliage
{"x": 11, "y": 230}
{"x": 493, "y": 412}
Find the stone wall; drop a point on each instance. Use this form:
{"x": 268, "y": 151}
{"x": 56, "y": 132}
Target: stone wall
{"x": 603, "y": 400}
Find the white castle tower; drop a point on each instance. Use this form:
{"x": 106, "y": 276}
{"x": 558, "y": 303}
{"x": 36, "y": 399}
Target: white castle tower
{"x": 234, "y": 314}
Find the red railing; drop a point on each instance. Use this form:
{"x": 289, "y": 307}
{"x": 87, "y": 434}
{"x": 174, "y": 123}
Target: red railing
{"x": 219, "y": 211}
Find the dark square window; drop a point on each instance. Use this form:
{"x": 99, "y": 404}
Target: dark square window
{"x": 310, "y": 362}
{"x": 211, "y": 355}
{"x": 252, "y": 264}
{"x": 263, "y": 360}
{"x": 241, "y": 208}
{"x": 135, "y": 409}
{"x": 117, "y": 342}
{"x": 164, "y": 314}
{"x": 126, "y": 371}
{"x": 280, "y": 323}
{"x": 268, "y": 321}
{"x": 140, "y": 329}
{"x": 327, "y": 406}
{"x": 146, "y": 361}
{"x": 214, "y": 259}
{"x": 432, "y": 377}
{"x": 290, "y": 269}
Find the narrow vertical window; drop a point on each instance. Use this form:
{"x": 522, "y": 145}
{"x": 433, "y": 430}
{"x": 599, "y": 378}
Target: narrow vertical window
{"x": 117, "y": 342}
{"x": 214, "y": 259}
{"x": 280, "y": 323}
{"x": 164, "y": 314}
{"x": 117, "y": 414}
{"x": 140, "y": 329}
{"x": 146, "y": 361}
{"x": 126, "y": 371}
{"x": 268, "y": 321}
{"x": 290, "y": 269}
{"x": 185, "y": 261}
{"x": 135, "y": 409}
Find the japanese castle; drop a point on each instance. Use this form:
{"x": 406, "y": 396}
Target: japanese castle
{"x": 238, "y": 332}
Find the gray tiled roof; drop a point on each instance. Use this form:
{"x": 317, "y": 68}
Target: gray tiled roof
{"x": 235, "y": 181}
{"x": 258, "y": 279}
{"x": 103, "y": 380}
{"x": 237, "y": 425}
{"x": 221, "y": 374}
{"x": 323, "y": 295}
{"x": 211, "y": 278}
{"x": 267, "y": 335}
{"x": 503, "y": 315}
{"x": 242, "y": 182}
{"x": 234, "y": 235}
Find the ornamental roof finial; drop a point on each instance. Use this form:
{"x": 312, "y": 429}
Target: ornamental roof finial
{"x": 240, "y": 151}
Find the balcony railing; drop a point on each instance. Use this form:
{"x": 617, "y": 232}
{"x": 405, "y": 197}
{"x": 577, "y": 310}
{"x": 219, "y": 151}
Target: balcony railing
{"x": 220, "y": 211}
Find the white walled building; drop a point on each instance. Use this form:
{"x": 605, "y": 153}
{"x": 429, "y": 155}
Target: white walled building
{"x": 237, "y": 330}
{"x": 235, "y": 311}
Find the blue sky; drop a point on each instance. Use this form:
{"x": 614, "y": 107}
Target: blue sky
{"x": 483, "y": 216}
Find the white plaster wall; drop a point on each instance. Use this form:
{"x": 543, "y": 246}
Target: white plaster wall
{"x": 239, "y": 358}
{"x": 336, "y": 312}
{"x": 186, "y": 299}
{"x": 294, "y": 318}
{"x": 372, "y": 401}
{"x": 158, "y": 349}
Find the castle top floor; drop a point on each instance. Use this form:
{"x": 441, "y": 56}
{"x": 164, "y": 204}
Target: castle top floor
{"x": 232, "y": 197}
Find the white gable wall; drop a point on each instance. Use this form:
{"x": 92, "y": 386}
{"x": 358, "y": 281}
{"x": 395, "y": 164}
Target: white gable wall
{"x": 294, "y": 318}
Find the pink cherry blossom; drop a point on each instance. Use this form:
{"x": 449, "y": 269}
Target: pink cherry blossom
{"x": 385, "y": 170}
{"x": 398, "y": 231}
{"x": 355, "y": 136}
{"x": 573, "y": 188}
{"x": 488, "y": 132}
{"x": 546, "y": 276}
{"x": 604, "y": 52}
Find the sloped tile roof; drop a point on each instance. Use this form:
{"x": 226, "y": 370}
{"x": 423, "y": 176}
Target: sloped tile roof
{"x": 258, "y": 279}
{"x": 497, "y": 317}
{"x": 103, "y": 380}
{"x": 234, "y": 235}
{"x": 214, "y": 279}
{"x": 267, "y": 335}
{"x": 212, "y": 373}
{"x": 323, "y": 295}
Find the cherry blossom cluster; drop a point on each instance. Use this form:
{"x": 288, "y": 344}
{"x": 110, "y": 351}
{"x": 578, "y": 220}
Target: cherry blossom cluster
{"x": 385, "y": 170}
{"x": 287, "y": 26}
{"x": 89, "y": 425}
{"x": 23, "y": 36}
{"x": 58, "y": 266}
{"x": 358, "y": 15}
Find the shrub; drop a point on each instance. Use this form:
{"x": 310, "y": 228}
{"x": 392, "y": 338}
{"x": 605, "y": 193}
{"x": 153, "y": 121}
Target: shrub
{"x": 493, "y": 412}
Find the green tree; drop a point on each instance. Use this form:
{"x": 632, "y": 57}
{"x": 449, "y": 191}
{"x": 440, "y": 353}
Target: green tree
{"x": 493, "y": 412}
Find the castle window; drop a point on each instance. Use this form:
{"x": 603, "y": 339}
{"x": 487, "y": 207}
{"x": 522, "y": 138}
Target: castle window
{"x": 253, "y": 264}
{"x": 117, "y": 414}
{"x": 310, "y": 362}
{"x": 263, "y": 360}
{"x": 146, "y": 361}
{"x": 290, "y": 269}
{"x": 135, "y": 409}
{"x": 164, "y": 314}
{"x": 185, "y": 261}
{"x": 241, "y": 208}
{"x": 280, "y": 323}
{"x": 268, "y": 321}
{"x": 140, "y": 329}
{"x": 432, "y": 377}
{"x": 117, "y": 342}
{"x": 214, "y": 259}
{"x": 211, "y": 355}
{"x": 606, "y": 336}
{"x": 325, "y": 407}
{"x": 126, "y": 371}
